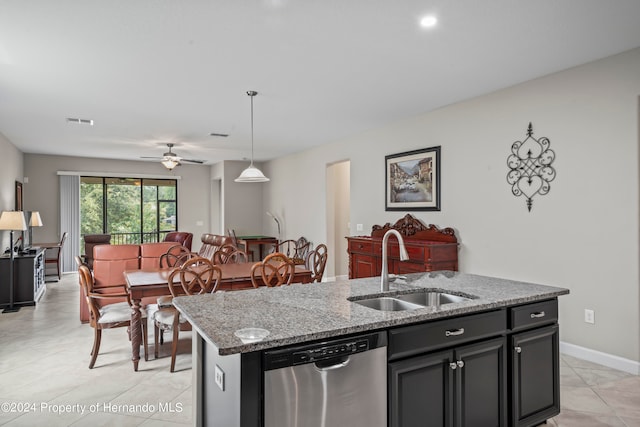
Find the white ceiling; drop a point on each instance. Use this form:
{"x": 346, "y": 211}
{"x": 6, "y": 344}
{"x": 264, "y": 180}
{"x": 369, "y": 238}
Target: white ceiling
{"x": 150, "y": 72}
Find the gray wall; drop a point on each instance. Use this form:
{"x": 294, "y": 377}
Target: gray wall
{"x": 10, "y": 172}
{"x": 583, "y": 235}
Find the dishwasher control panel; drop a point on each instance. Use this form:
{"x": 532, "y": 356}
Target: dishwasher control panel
{"x": 321, "y": 353}
{"x": 310, "y": 353}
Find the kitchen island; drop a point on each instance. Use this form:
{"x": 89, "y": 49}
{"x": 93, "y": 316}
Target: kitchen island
{"x": 318, "y": 312}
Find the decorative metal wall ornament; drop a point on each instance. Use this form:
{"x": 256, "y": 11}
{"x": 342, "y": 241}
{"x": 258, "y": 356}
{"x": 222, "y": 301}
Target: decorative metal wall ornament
{"x": 530, "y": 167}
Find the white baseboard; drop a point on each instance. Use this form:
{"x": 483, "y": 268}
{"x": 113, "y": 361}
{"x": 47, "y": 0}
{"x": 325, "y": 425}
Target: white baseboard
{"x": 335, "y": 278}
{"x": 595, "y": 356}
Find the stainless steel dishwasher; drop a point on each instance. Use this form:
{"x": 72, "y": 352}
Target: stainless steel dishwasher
{"x": 329, "y": 384}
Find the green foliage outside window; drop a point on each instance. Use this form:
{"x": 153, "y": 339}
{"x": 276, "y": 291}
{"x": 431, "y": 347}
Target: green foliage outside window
{"x": 132, "y": 210}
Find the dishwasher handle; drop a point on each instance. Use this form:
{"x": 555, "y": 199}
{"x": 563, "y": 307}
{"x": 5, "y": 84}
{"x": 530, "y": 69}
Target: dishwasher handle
{"x": 332, "y": 363}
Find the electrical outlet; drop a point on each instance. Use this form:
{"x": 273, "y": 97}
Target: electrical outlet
{"x": 589, "y": 316}
{"x": 359, "y": 227}
{"x": 219, "y": 377}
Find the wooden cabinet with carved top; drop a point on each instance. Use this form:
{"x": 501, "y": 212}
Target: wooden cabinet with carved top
{"x": 429, "y": 249}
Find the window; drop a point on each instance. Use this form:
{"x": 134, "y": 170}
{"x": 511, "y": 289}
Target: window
{"x": 132, "y": 210}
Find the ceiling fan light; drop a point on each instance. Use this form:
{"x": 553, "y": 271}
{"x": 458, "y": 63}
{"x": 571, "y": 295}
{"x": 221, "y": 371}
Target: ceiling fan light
{"x": 170, "y": 163}
{"x": 252, "y": 174}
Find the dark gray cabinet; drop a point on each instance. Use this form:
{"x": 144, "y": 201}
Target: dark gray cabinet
{"x": 421, "y": 388}
{"x": 455, "y": 373}
{"x": 462, "y": 387}
{"x": 495, "y": 368}
{"x": 28, "y": 278}
{"x": 534, "y": 363}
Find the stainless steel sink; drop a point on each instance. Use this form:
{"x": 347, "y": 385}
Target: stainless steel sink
{"x": 388, "y": 304}
{"x": 431, "y": 298}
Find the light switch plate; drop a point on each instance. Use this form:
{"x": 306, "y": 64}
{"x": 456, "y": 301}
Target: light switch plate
{"x": 219, "y": 377}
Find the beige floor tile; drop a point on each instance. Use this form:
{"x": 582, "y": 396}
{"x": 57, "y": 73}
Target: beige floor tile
{"x": 582, "y": 399}
{"x": 631, "y": 422}
{"x": 582, "y": 419}
{"x": 569, "y": 377}
{"x": 600, "y": 376}
{"x": 623, "y": 396}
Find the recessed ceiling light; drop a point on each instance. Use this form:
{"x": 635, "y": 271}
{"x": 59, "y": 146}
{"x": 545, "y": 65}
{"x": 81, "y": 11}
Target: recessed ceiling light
{"x": 428, "y": 21}
{"x": 80, "y": 121}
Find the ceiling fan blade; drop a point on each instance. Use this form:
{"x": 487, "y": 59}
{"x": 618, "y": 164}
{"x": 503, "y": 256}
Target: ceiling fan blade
{"x": 192, "y": 161}
{"x": 149, "y": 157}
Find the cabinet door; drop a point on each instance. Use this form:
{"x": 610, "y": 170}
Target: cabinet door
{"x": 481, "y": 384}
{"x": 421, "y": 391}
{"x": 364, "y": 266}
{"x": 535, "y": 376}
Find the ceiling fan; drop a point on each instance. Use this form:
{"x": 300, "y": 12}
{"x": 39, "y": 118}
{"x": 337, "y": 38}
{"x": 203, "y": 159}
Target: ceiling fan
{"x": 170, "y": 159}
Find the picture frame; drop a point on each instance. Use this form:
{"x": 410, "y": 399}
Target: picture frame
{"x": 412, "y": 180}
{"x": 18, "y": 196}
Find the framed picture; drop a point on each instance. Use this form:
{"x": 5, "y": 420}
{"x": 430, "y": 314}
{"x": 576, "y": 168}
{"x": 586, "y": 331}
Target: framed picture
{"x": 18, "y": 196}
{"x": 413, "y": 180}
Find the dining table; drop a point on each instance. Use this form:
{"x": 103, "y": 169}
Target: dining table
{"x": 257, "y": 240}
{"x": 153, "y": 282}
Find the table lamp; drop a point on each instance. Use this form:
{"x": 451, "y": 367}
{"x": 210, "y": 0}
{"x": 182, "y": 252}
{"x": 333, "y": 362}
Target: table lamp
{"x": 35, "y": 221}
{"x": 12, "y": 220}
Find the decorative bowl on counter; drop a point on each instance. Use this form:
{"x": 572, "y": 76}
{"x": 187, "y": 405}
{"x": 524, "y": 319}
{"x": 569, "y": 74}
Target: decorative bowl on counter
{"x": 249, "y": 335}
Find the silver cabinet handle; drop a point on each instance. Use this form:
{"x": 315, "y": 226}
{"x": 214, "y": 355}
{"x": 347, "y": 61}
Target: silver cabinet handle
{"x": 453, "y": 365}
{"x": 454, "y": 332}
{"x": 518, "y": 349}
{"x": 538, "y": 314}
{"x": 460, "y": 364}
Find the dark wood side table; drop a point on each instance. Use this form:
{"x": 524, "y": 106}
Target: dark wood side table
{"x": 28, "y": 278}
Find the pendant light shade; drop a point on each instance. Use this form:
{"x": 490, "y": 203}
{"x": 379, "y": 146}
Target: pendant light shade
{"x": 252, "y": 173}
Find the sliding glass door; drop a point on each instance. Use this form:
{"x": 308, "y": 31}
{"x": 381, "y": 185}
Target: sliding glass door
{"x": 131, "y": 210}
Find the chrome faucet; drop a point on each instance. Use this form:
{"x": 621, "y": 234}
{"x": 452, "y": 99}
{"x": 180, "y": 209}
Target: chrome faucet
{"x": 384, "y": 277}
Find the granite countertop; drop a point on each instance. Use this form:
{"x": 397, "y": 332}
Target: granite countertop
{"x": 307, "y": 312}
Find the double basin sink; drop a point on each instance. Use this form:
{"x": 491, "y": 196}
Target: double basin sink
{"x": 412, "y": 301}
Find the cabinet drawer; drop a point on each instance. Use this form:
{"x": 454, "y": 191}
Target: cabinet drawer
{"x": 532, "y": 315}
{"x": 416, "y": 253}
{"x": 438, "y": 334}
{"x": 360, "y": 246}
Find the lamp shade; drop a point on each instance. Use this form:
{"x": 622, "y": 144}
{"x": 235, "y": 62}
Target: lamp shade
{"x": 35, "y": 220}
{"x": 170, "y": 163}
{"x": 12, "y": 220}
{"x": 252, "y": 174}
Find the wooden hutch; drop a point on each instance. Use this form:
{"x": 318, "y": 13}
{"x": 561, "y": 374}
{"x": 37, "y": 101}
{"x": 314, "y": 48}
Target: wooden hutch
{"x": 429, "y": 249}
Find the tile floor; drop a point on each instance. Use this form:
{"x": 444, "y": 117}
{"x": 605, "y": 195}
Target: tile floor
{"x": 44, "y": 376}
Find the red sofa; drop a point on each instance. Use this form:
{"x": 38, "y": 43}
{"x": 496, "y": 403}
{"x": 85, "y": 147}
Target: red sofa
{"x": 110, "y": 261}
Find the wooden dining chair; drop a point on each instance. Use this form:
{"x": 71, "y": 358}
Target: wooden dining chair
{"x": 176, "y": 256}
{"x": 316, "y": 261}
{"x": 195, "y": 276}
{"x": 53, "y": 256}
{"x": 296, "y": 250}
{"x": 229, "y": 254}
{"x": 276, "y": 269}
{"x": 109, "y": 316}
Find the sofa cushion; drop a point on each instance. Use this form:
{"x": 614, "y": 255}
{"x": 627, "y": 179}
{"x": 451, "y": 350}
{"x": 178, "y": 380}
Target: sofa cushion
{"x": 110, "y": 261}
{"x": 150, "y": 253}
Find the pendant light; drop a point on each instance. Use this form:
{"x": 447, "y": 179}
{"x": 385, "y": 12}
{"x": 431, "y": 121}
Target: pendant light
{"x": 252, "y": 173}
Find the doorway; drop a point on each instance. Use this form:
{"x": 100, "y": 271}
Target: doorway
{"x": 338, "y": 216}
